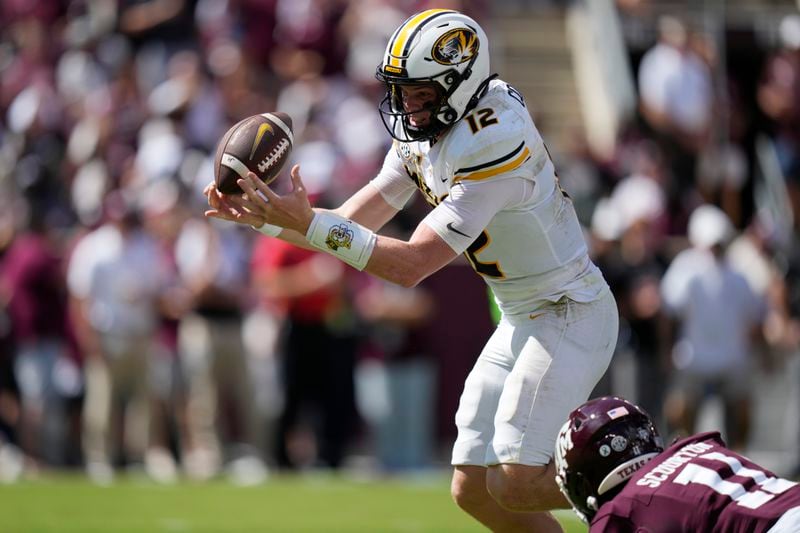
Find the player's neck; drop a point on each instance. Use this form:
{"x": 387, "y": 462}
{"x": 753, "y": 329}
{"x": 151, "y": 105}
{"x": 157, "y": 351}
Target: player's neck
{"x": 439, "y": 136}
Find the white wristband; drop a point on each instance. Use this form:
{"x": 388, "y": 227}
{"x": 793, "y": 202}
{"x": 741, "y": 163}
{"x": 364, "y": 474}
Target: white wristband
{"x": 349, "y": 241}
{"x": 269, "y": 230}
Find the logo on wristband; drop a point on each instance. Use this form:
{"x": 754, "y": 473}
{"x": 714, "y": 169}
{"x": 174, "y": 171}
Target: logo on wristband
{"x": 339, "y": 236}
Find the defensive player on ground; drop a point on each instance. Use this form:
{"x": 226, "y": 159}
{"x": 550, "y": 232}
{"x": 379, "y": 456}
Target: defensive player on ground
{"x": 467, "y": 142}
{"x": 612, "y": 466}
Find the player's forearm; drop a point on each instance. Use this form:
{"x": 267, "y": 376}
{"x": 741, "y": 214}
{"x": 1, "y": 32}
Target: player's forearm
{"x": 401, "y": 262}
{"x": 398, "y": 262}
{"x": 295, "y": 236}
{"x": 408, "y": 263}
{"x": 392, "y": 259}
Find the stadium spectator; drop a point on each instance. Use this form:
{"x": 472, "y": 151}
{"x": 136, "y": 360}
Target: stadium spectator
{"x": 718, "y": 315}
{"x": 318, "y": 417}
{"x": 791, "y": 265}
{"x": 631, "y": 227}
{"x": 163, "y": 215}
{"x": 479, "y": 175}
{"x": 116, "y": 312}
{"x": 12, "y": 460}
{"x": 612, "y": 465}
{"x": 32, "y": 274}
{"x": 307, "y": 37}
{"x": 396, "y": 382}
{"x": 779, "y": 101}
{"x": 676, "y": 99}
{"x": 754, "y": 254}
{"x": 160, "y": 27}
{"x": 314, "y": 293}
{"x": 212, "y": 263}
{"x": 722, "y": 174}
{"x": 675, "y": 87}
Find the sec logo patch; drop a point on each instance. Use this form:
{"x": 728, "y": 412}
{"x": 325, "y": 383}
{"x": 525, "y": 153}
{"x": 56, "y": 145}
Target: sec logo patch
{"x": 404, "y": 150}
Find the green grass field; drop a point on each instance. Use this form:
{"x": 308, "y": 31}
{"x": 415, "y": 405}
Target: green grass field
{"x": 317, "y": 503}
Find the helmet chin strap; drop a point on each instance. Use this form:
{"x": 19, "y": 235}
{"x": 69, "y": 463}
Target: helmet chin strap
{"x": 482, "y": 88}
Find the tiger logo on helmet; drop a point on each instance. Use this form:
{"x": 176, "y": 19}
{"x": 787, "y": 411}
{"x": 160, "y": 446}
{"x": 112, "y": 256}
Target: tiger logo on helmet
{"x": 455, "y": 47}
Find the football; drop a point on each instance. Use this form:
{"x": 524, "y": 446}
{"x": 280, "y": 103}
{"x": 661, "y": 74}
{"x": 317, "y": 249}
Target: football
{"x": 260, "y": 144}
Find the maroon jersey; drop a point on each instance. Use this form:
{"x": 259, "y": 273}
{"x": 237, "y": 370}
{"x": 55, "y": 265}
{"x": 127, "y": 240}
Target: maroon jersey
{"x": 697, "y": 484}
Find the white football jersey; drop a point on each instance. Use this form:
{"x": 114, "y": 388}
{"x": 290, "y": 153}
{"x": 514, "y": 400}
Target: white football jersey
{"x": 496, "y": 198}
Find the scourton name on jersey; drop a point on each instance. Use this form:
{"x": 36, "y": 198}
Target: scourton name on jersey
{"x": 699, "y": 485}
{"x": 496, "y": 198}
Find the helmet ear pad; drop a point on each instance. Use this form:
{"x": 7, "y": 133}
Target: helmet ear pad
{"x": 452, "y": 80}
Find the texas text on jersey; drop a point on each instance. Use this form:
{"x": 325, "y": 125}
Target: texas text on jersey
{"x": 697, "y": 484}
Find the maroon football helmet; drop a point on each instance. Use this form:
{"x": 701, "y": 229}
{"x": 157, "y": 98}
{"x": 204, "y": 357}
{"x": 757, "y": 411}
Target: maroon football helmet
{"x": 604, "y": 442}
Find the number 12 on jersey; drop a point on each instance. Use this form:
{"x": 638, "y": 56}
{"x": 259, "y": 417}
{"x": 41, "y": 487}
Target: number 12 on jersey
{"x": 485, "y": 118}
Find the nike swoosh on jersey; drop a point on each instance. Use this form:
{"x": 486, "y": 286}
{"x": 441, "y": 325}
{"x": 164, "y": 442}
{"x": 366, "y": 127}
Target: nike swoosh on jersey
{"x": 534, "y": 316}
{"x": 262, "y": 129}
{"x": 451, "y": 228}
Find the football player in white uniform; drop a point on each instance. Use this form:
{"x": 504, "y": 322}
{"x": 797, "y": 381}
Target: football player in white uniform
{"x": 467, "y": 142}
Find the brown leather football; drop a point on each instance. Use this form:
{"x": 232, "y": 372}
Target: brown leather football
{"x": 260, "y": 143}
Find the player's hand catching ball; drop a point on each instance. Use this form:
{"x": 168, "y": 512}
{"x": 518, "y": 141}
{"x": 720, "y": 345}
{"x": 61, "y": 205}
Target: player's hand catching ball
{"x": 260, "y": 205}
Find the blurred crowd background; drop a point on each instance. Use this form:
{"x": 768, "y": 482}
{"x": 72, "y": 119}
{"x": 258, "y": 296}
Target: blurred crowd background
{"x": 138, "y": 336}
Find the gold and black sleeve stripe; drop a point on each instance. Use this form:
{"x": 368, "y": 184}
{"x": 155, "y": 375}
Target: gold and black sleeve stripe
{"x": 510, "y": 161}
